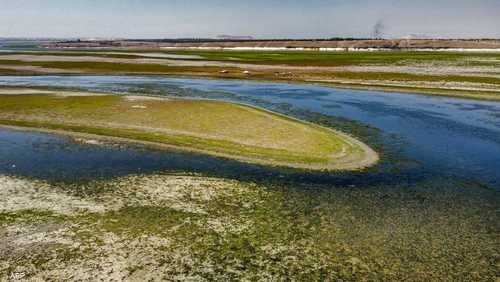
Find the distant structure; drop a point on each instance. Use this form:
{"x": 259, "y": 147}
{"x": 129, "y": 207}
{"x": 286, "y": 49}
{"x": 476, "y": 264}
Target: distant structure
{"x": 234, "y": 37}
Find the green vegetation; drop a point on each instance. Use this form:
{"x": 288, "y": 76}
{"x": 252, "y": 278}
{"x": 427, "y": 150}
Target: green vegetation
{"x": 107, "y": 67}
{"x": 461, "y": 93}
{"x": 29, "y": 217}
{"x": 13, "y": 72}
{"x": 392, "y": 76}
{"x": 301, "y": 58}
{"x": 224, "y": 129}
{"x": 145, "y": 219}
{"x": 315, "y": 58}
{"x": 20, "y": 46}
{"x": 94, "y": 53}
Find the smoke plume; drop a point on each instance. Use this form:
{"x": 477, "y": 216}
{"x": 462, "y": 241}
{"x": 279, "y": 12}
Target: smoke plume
{"x": 378, "y": 29}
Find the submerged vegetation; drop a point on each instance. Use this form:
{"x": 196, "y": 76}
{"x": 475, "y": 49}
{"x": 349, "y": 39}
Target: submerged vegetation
{"x": 167, "y": 227}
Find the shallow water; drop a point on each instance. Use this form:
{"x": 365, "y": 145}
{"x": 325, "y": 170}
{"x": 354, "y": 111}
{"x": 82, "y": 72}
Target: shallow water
{"x": 437, "y": 135}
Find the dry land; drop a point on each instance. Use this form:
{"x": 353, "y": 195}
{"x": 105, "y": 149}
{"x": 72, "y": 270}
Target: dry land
{"x": 463, "y": 74}
{"x": 223, "y": 129}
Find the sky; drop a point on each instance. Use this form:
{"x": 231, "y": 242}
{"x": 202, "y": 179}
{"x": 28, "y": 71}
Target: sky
{"x": 257, "y": 18}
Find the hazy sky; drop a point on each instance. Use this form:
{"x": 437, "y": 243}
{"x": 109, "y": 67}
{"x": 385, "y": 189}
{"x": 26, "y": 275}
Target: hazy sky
{"x": 258, "y": 18}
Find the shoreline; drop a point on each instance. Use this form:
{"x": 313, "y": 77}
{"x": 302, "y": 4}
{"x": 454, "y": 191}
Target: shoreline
{"x": 372, "y": 156}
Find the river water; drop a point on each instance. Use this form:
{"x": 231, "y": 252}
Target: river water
{"x": 419, "y": 136}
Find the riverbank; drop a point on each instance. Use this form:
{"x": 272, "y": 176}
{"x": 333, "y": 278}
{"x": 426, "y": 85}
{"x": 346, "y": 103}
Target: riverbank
{"x": 456, "y": 74}
{"x": 222, "y": 129}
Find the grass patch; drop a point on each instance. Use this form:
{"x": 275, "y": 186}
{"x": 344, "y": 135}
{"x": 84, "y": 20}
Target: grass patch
{"x": 4, "y": 71}
{"x": 138, "y": 220}
{"x": 108, "y": 67}
{"x": 20, "y": 46}
{"x": 29, "y": 217}
{"x": 299, "y": 58}
{"x": 407, "y": 77}
{"x": 315, "y": 58}
{"x": 93, "y": 53}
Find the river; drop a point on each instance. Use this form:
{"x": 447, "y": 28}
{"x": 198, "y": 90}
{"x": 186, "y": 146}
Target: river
{"x": 419, "y": 136}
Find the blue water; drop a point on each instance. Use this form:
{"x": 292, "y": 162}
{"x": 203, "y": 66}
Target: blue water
{"x": 452, "y": 137}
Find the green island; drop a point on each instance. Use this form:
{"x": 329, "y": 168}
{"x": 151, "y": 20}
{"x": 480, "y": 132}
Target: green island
{"x": 216, "y": 128}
